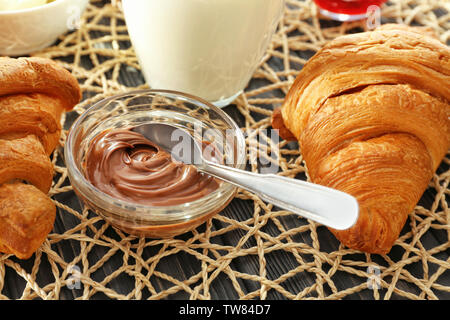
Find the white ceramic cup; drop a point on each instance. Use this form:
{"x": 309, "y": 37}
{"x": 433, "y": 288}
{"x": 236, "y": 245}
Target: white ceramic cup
{"x": 28, "y": 30}
{"x": 207, "y": 48}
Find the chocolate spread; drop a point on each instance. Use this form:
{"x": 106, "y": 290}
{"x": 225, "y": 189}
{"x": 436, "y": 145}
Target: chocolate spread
{"x": 127, "y": 166}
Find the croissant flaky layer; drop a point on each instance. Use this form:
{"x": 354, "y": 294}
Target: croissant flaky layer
{"x": 39, "y": 114}
{"x": 38, "y": 75}
{"x": 371, "y": 113}
{"x": 34, "y": 92}
{"x": 26, "y": 217}
{"x": 25, "y": 159}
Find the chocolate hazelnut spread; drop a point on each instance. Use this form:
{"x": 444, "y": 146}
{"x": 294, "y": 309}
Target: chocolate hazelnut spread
{"x": 127, "y": 166}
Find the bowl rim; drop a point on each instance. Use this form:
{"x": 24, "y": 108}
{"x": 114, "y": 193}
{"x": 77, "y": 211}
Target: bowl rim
{"x": 173, "y": 212}
{"x": 32, "y": 9}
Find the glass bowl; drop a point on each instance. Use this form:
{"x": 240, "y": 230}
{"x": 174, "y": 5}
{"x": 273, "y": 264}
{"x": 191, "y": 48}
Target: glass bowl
{"x": 138, "y": 107}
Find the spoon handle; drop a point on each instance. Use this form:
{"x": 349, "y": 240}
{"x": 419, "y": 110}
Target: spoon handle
{"x": 324, "y": 205}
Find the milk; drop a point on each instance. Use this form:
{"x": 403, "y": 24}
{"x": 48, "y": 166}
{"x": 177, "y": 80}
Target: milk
{"x": 208, "y": 48}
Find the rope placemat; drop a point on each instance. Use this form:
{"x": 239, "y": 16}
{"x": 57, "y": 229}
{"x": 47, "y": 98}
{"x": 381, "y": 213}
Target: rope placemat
{"x": 99, "y": 54}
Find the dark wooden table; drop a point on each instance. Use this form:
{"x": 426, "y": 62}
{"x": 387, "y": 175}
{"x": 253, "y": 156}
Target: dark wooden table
{"x": 183, "y": 266}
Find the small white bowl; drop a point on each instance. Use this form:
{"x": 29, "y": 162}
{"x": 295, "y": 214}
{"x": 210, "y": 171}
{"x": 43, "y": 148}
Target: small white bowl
{"x": 29, "y": 30}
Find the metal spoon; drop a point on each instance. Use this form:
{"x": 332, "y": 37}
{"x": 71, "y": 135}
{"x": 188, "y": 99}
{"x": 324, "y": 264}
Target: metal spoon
{"x": 327, "y": 206}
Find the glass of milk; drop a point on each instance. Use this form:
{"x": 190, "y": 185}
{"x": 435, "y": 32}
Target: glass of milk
{"x": 207, "y": 48}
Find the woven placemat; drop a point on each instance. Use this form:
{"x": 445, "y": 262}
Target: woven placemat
{"x": 99, "y": 54}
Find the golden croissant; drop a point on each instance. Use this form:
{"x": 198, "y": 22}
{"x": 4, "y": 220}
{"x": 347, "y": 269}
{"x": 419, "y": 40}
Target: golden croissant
{"x": 371, "y": 114}
{"x": 34, "y": 92}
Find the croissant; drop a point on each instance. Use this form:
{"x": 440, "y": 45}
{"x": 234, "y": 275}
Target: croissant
{"x": 34, "y": 92}
{"x": 371, "y": 114}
